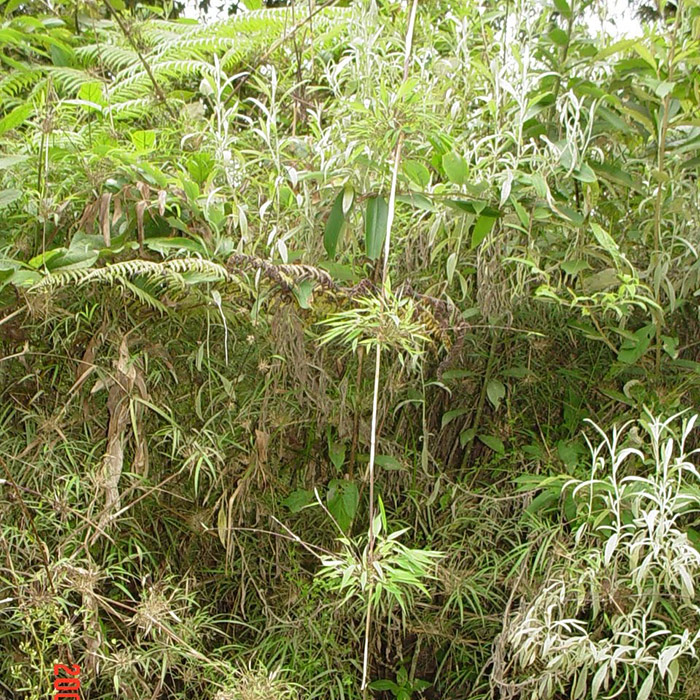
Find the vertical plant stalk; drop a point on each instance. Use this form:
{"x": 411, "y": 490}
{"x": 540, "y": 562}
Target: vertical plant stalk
{"x": 399, "y": 145}
{"x": 371, "y": 536}
{"x": 660, "y": 164}
{"x": 356, "y": 418}
{"x": 377, "y": 365}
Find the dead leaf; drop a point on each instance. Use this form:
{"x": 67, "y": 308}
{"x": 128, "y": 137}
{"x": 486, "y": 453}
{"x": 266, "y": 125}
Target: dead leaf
{"x": 105, "y": 202}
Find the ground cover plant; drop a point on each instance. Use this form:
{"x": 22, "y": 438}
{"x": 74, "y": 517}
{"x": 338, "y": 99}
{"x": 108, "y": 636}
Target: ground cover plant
{"x": 349, "y": 350}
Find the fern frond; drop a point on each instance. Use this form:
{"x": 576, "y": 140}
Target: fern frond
{"x": 74, "y": 141}
{"x": 172, "y": 273}
{"x": 199, "y": 266}
{"x": 174, "y": 52}
{"x": 130, "y": 109}
{"x": 70, "y": 79}
{"x": 20, "y": 81}
{"x": 175, "y": 68}
{"x": 144, "y": 295}
{"x": 110, "y": 56}
{"x": 130, "y": 89}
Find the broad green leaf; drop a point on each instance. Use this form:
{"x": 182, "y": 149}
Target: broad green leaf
{"x": 191, "y": 190}
{"x": 646, "y": 55}
{"x": 540, "y": 184}
{"x": 542, "y": 501}
{"x": 473, "y": 206}
{"x": 563, "y": 8}
{"x": 613, "y": 119}
{"x": 481, "y": 229}
{"x": 568, "y": 214}
{"x": 617, "y": 47}
{"x": 639, "y": 113}
{"x": 177, "y": 224}
{"x": 416, "y": 200}
{"x": 466, "y": 436}
{"x": 522, "y": 213}
{"x": 343, "y": 273}
{"x": 11, "y": 6}
{"x": 199, "y": 166}
{"x": 385, "y": 461}
{"x": 494, "y": 443}
{"x": 16, "y": 117}
{"x": 585, "y": 173}
{"x": 72, "y": 259}
{"x": 568, "y": 452}
{"x": 417, "y": 172}
{"x": 342, "y": 500}
{"x": 633, "y": 348}
{"x": 334, "y": 225}
{"x": 573, "y": 267}
{"x": 62, "y": 55}
{"x": 449, "y": 416}
{"x": 164, "y": 244}
{"x": 559, "y": 36}
{"x": 517, "y": 372}
{"x": 144, "y": 140}
{"x": 303, "y": 292}
{"x": 389, "y": 462}
{"x": 375, "y": 226}
{"x": 455, "y": 168}
{"x": 458, "y": 373}
{"x": 91, "y": 92}
{"x": 43, "y": 258}
{"x": 600, "y": 280}
{"x": 570, "y": 509}
{"x": 298, "y": 499}
{"x": 612, "y": 173}
{"x": 336, "y": 451}
{"x": 25, "y": 278}
{"x": 385, "y": 685}
{"x": 670, "y": 346}
{"x": 605, "y": 240}
{"x": 664, "y": 88}
{"x": 495, "y": 391}
{"x": 286, "y": 196}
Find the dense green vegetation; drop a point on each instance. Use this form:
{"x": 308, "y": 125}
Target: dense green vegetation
{"x": 350, "y": 351}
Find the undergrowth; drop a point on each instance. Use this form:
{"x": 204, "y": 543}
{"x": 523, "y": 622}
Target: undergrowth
{"x": 344, "y": 356}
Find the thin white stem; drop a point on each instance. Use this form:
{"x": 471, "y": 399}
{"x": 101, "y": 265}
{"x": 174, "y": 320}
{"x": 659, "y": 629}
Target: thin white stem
{"x": 370, "y": 544}
{"x": 399, "y": 145}
{"x": 377, "y": 366}
{"x": 373, "y": 446}
{"x": 391, "y": 207}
